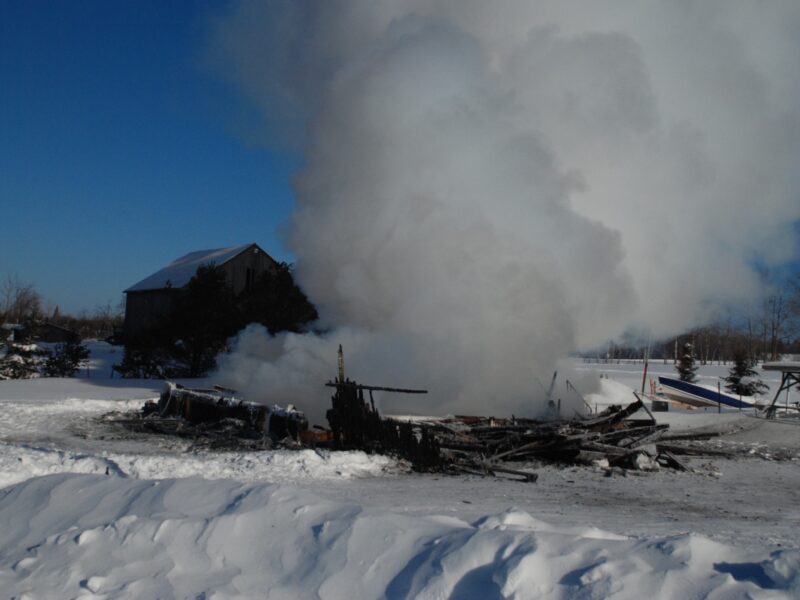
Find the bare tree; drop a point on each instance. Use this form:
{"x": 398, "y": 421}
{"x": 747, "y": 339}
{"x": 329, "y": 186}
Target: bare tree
{"x": 778, "y": 321}
{"x": 793, "y": 309}
{"x": 775, "y": 313}
{"x": 106, "y": 318}
{"x": 20, "y": 301}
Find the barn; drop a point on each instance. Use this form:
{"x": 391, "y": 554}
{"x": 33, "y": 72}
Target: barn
{"x": 155, "y": 295}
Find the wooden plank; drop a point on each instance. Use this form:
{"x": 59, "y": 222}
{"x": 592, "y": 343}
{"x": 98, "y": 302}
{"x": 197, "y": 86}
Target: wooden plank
{"x": 672, "y": 461}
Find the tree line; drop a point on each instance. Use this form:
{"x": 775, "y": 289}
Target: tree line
{"x": 22, "y": 313}
{"x": 764, "y": 331}
{"x": 21, "y": 305}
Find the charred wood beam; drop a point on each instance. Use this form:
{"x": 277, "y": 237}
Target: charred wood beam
{"x": 612, "y": 417}
{"x": 644, "y": 406}
{"x": 525, "y": 475}
{"x": 608, "y": 450}
{"x": 700, "y": 435}
{"x": 545, "y": 446}
{"x": 648, "y": 439}
{"x": 631, "y": 435}
{"x": 373, "y": 388}
{"x": 690, "y": 451}
{"x": 486, "y": 468}
{"x": 672, "y": 461}
{"x": 456, "y": 446}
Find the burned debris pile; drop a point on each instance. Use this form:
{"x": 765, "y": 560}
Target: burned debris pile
{"x": 216, "y": 418}
{"x": 614, "y": 438}
{"x": 485, "y": 445}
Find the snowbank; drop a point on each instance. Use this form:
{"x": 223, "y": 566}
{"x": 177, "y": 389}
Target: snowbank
{"x": 102, "y": 536}
{"x": 52, "y": 389}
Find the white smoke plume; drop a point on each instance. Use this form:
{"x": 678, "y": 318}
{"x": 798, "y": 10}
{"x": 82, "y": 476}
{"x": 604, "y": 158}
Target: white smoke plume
{"x": 490, "y": 185}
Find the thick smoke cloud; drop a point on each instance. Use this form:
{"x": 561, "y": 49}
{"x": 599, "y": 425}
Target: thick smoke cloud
{"x": 490, "y": 185}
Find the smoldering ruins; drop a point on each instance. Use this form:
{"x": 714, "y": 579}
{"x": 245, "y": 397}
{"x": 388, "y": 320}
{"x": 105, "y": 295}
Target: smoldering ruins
{"x": 618, "y": 437}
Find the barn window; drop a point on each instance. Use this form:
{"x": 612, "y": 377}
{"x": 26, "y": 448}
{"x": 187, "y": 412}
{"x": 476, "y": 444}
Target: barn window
{"x": 250, "y": 279}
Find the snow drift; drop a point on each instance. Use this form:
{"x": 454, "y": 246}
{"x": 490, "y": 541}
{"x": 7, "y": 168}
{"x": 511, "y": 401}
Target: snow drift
{"x": 74, "y": 535}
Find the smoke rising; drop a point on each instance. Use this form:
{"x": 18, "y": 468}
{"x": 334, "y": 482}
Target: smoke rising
{"x": 489, "y": 186}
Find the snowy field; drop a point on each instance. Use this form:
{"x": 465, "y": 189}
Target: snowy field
{"x": 88, "y": 513}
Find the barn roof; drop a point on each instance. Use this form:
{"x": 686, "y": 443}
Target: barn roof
{"x": 178, "y": 273}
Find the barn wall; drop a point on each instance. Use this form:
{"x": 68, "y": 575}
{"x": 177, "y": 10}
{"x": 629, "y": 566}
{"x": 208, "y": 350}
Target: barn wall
{"x": 236, "y": 269}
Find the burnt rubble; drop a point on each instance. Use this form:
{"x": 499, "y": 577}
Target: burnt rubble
{"x": 490, "y": 446}
{"x": 486, "y": 445}
{"x": 216, "y": 418}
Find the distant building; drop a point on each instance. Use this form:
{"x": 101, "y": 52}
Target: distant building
{"x": 154, "y": 296}
{"x": 9, "y": 332}
{"x": 55, "y": 334}
{"x": 38, "y": 332}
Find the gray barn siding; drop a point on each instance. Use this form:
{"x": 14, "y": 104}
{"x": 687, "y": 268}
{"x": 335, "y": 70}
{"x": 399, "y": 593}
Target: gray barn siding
{"x": 236, "y": 268}
{"x": 145, "y": 308}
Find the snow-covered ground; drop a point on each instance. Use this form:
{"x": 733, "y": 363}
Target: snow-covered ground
{"x": 173, "y": 520}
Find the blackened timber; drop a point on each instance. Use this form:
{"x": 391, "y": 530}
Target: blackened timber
{"x": 460, "y": 446}
{"x": 355, "y": 424}
{"x": 644, "y": 406}
{"x": 525, "y": 475}
{"x": 631, "y": 435}
{"x": 374, "y": 388}
{"x": 613, "y": 415}
{"x": 491, "y": 469}
{"x": 672, "y": 461}
{"x": 608, "y": 449}
{"x": 692, "y": 451}
{"x": 540, "y": 446}
{"x": 650, "y": 438}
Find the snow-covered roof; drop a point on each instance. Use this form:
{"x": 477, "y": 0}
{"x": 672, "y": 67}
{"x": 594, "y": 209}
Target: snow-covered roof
{"x": 178, "y": 273}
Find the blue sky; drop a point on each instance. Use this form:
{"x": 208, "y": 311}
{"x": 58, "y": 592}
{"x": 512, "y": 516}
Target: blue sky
{"x": 119, "y": 151}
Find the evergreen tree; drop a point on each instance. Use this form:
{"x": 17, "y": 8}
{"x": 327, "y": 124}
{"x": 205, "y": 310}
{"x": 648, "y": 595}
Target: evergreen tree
{"x": 66, "y": 359}
{"x": 20, "y": 361}
{"x": 185, "y": 342}
{"x": 742, "y": 378}
{"x": 686, "y": 367}
{"x": 143, "y": 360}
{"x": 205, "y": 317}
{"x": 277, "y": 302}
